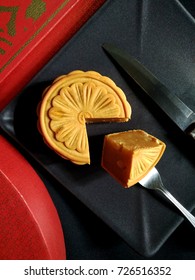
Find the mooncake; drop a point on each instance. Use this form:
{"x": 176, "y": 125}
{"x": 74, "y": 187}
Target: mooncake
{"x": 72, "y": 101}
{"x": 128, "y": 156}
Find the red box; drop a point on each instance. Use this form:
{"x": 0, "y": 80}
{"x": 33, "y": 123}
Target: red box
{"x": 31, "y": 32}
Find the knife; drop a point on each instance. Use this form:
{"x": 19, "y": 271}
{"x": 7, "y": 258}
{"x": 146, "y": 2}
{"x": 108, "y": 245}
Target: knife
{"x": 179, "y": 112}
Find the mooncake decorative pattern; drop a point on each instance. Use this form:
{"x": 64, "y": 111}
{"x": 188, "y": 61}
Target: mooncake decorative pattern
{"x": 143, "y": 159}
{"x": 74, "y": 100}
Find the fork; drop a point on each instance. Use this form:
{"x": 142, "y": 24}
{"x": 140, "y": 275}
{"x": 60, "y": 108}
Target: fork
{"x": 153, "y": 181}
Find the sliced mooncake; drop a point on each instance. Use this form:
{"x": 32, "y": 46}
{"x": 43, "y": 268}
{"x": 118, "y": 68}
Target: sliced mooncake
{"x": 128, "y": 156}
{"x": 74, "y": 100}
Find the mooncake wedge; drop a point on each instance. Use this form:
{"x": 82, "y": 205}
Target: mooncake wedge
{"x": 128, "y": 156}
{"x": 74, "y": 100}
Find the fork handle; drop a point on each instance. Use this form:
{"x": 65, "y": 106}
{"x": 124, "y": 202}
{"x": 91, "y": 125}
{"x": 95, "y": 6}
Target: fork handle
{"x": 184, "y": 211}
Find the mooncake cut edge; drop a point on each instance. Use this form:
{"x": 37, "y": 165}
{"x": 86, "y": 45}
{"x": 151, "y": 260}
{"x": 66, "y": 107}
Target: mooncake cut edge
{"x": 114, "y": 169}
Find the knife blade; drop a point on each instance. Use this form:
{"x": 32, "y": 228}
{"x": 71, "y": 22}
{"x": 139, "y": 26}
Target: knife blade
{"x": 172, "y": 106}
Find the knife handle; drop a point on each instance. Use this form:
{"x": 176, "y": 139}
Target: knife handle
{"x": 191, "y": 131}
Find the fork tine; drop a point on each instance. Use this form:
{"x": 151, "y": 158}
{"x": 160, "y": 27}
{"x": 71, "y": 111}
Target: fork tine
{"x": 151, "y": 180}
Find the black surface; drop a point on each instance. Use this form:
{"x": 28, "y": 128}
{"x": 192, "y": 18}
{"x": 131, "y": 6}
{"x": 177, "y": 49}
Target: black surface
{"x": 88, "y": 238}
{"x": 135, "y": 214}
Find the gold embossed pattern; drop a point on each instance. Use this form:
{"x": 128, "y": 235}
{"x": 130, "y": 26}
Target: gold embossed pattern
{"x": 74, "y": 100}
{"x": 21, "y": 23}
